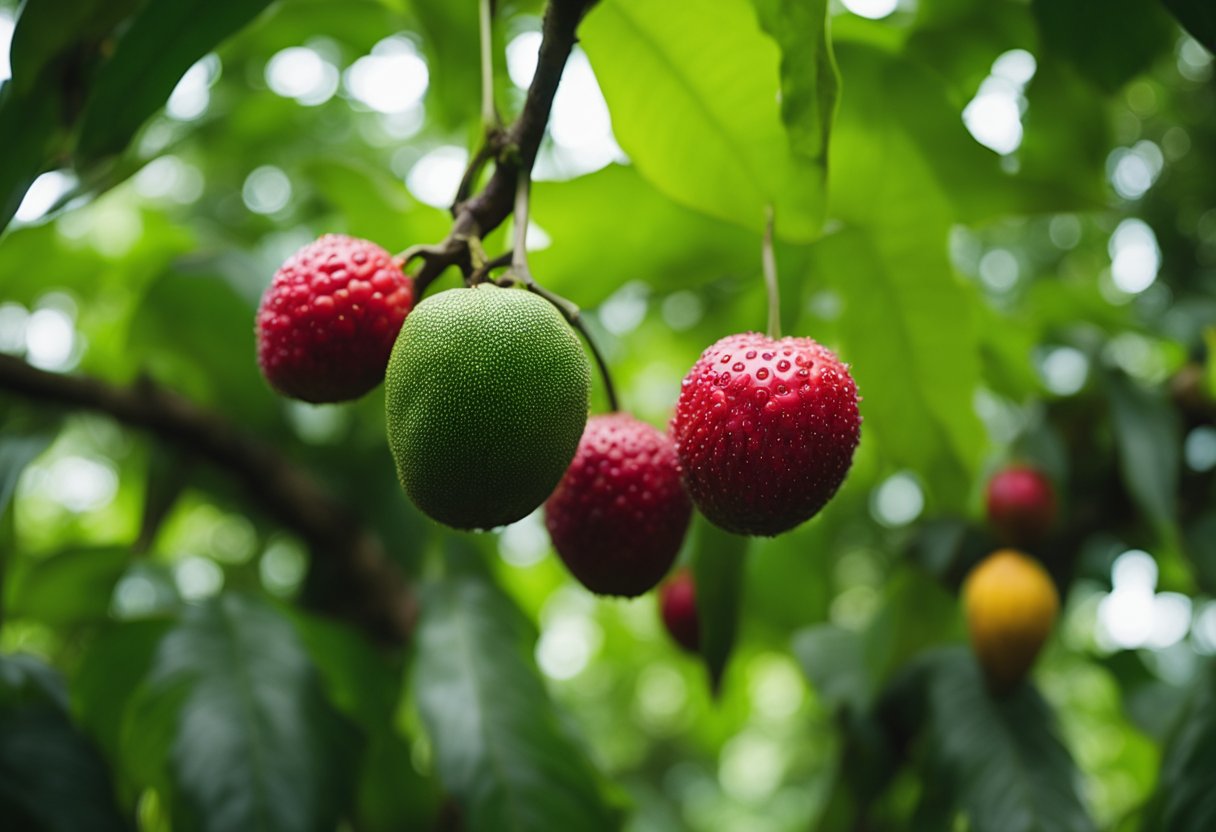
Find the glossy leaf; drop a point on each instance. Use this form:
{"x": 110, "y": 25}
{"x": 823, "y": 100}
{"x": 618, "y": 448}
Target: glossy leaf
{"x": 28, "y": 133}
{"x": 693, "y": 96}
{"x": 718, "y": 565}
{"x": 234, "y": 707}
{"x": 500, "y": 748}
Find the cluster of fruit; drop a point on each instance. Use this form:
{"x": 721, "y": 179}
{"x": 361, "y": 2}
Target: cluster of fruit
{"x": 487, "y": 391}
{"x": 1010, "y": 600}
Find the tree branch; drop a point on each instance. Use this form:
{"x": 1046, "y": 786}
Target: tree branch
{"x": 362, "y": 583}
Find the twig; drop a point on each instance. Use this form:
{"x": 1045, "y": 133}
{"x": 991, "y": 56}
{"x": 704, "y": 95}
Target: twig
{"x": 489, "y": 113}
{"x": 362, "y": 583}
{"x": 769, "y": 260}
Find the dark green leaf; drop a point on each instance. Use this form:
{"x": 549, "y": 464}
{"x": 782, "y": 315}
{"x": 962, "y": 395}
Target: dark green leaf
{"x": 1198, "y": 17}
{"x": 161, "y": 43}
{"x": 1002, "y": 759}
{"x": 834, "y": 660}
{"x": 235, "y": 709}
{"x": 20, "y": 444}
{"x": 694, "y": 103}
{"x": 1107, "y": 41}
{"x": 500, "y": 747}
{"x": 64, "y": 31}
{"x": 1149, "y": 441}
{"x": 718, "y": 561}
{"x": 51, "y": 776}
{"x": 28, "y": 133}
{"x": 69, "y": 587}
{"x": 1185, "y": 800}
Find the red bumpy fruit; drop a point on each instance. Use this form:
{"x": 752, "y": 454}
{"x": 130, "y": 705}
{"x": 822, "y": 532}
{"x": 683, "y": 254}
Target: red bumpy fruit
{"x": 619, "y": 514}
{"x": 327, "y": 324}
{"x": 1021, "y": 504}
{"x": 678, "y": 606}
{"x": 765, "y": 430}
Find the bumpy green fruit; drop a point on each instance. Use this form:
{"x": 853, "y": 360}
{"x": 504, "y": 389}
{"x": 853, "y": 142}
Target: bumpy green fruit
{"x": 486, "y": 397}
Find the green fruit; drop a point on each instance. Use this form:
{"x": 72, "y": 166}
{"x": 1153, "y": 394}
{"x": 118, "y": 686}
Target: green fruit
{"x": 486, "y": 397}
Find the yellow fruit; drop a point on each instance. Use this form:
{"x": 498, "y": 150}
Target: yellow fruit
{"x": 1011, "y": 605}
{"x": 486, "y": 398}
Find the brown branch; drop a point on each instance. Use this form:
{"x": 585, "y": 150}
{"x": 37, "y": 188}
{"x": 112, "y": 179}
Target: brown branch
{"x": 513, "y": 149}
{"x": 362, "y": 584}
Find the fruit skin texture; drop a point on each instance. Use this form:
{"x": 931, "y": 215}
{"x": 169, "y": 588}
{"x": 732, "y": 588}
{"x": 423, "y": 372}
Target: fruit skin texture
{"x": 765, "y": 430}
{"x": 1021, "y": 504}
{"x": 1011, "y": 605}
{"x": 619, "y": 515}
{"x": 486, "y": 398}
{"x": 678, "y": 607}
{"x": 327, "y": 323}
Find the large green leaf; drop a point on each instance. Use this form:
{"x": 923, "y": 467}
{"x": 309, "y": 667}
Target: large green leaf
{"x": 1000, "y": 759}
{"x": 1185, "y": 800}
{"x": 160, "y": 44}
{"x": 908, "y": 337}
{"x": 20, "y": 443}
{"x": 73, "y": 586}
{"x": 718, "y": 564}
{"x": 693, "y": 92}
{"x": 51, "y": 776}
{"x": 1108, "y": 41}
{"x": 66, "y": 32}
{"x": 28, "y": 133}
{"x": 1149, "y": 443}
{"x": 1198, "y": 17}
{"x": 233, "y": 709}
{"x": 499, "y": 744}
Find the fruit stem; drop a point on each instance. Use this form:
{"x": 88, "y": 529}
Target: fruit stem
{"x": 769, "y": 261}
{"x": 521, "y": 273}
{"x": 489, "y": 113}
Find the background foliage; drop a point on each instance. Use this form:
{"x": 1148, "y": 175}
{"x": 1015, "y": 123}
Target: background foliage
{"x": 1002, "y": 214}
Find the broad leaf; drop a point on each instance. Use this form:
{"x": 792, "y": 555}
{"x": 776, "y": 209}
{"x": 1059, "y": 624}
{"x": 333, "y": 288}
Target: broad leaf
{"x": 500, "y": 747}
{"x": 718, "y": 560}
{"x": 69, "y": 587}
{"x": 833, "y": 659}
{"x": 20, "y": 444}
{"x": 1185, "y": 800}
{"x": 693, "y": 93}
{"x": 51, "y": 776}
{"x": 28, "y": 134}
{"x": 163, "y": 40}
{"x": 1149, "y": 442}
{"x": 1107, "y": 41}
{"x": 235, "y": 708}
{"x": 62, "y": 32}
{"x": 1001, "y": 759}
{"x": 1198, "y": 17}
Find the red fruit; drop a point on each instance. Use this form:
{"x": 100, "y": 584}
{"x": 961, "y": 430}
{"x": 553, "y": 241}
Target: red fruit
{"x": 765, "y": 431}
{"x": 619, "y": 514}
{"x": 1021, "y": 504}
{"x": 328, "y": 321}
{"x": 678, "y": 606}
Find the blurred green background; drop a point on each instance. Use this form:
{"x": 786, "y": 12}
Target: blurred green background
{"x": 1002, "y": 214}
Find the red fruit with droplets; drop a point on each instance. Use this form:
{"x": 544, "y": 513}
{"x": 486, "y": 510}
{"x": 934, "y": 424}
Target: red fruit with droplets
{"x": 327, "y": 324}
{"x": 765, "y": 430}
{"x": 678, "y": 606}
{"x": 1021, "y": 504}
{"x": 619, "y": 514}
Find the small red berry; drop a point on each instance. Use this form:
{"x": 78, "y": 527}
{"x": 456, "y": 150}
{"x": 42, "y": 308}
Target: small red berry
{"x": 327, "y": 323}
{"x": 619, "y": 514}
{"x": 678, "y": 606}
{"x": 765, "y": 430}
{"x": 1021, "y": 504}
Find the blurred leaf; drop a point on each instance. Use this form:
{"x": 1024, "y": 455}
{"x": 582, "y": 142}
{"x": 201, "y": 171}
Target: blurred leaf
{"x": 1149, "y": 441}
{"x": 163, "y": 40}
{"x": 694, "y": 102}
{"x": 1185, "y": 800}
{"x": 917, "y": 613}
{"x": 51, "y": 777}
{"x": 375, "y": 205}
{"x": 1002, "y": 759}
{"x": 916, "y": 380}
{"x": 20, "y": 444}
{"x": 1200, "y": 536}
{"x": 1107, "y": 41}
{"x": 1198, "y": 17}
{"x": 499, "y": 745}
{"x": 809, "y": 79}
{"x": 28, "y": 134}
{"x": 235, "y": 709}
{"x": 833, "y": 659}
{"x": 70, "y": 587}
{"x": 718, "y": 561}
{"x": 168, "y": 474}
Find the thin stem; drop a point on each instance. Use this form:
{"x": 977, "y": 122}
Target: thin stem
{"x": 489, "y": 113}
{"x": 770, "y": 275}
{"x": 519, "y": 256}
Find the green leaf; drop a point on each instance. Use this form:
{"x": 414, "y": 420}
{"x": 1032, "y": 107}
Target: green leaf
{"x": 20, "y": 444}
{"x": 1149, "y": 440}
{"x": 70, "y": 587}
{"x": 28, "y": 133}
{"x": 161, "y": 43}
{"x": 809, "y": 78}
{"x": 833, "y": 660}
{"x": 1107, "y": 41}
{"x": 693, "y": 94}
{"x": 918, "y": 379}
{"x": 62, "y": 32}
{"x": 500, "y": 747}
{"x": 1198, "y": 17}
{"x": 51, "y": 776}
{"x": 1002, "y": 759}
{"x": 718, "y": 561}
{"x": 1185, "y": 800}
{"x": 233, "y": 711}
